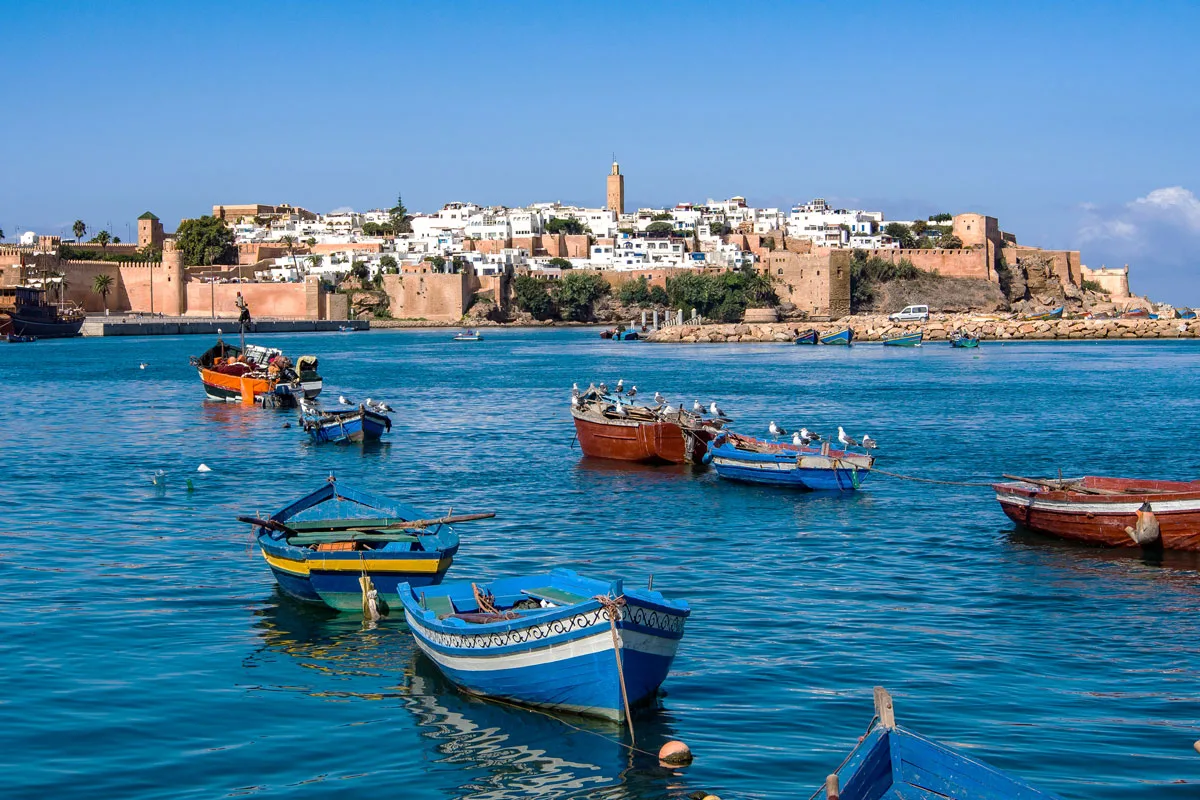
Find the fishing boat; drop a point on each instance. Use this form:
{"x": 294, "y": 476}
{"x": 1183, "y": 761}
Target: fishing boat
{"x": 1055, "y": 313}
{"x": 630, "y": 335}
{"x": 346, "y": 329}
{"x": 1115, "y": 512}
{"x": 16, "y": 338}
{"x": 554, "y": 640}
{"x": 823, "y": 468}
{"x": 251, "y": 375}
{"x": 844, "y": 336}
{"x": 809, "y": 336}
{"x": 613, "y": 427}
{"x": 321, "y": 545}
{"x": 905, "y": 340}
{"x": 367, "y": 423}
{"x": 607, "y": 333}
{"x": 893, "y": 763}
{"x": 1184, "y": 313}
{"x": 29, "y": 314}
{"x": 469, "y": 335}
{"x": 964, "y": 340}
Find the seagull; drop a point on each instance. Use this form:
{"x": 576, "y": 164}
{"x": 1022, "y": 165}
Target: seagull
{"x": 868, "y": 442}
{"x": 798, "y": 440}
{"x": 844, "y": 439}
{"x": 776, "y": 430}
{"x": 632, "y": 392}
{"x": 658, "y": 398}
{"x": 575, "y": 390}
{"x": 574, "y": 401}
{"x": 342, "y": 399}
{"x": 621, "y": 412}
{"x": 696, "y": 407}
{"x": 603, "y": 387}
{"x": 809, "y": 436}
{"x": 715, "y": 410}
{"x": 370, "y": 402}
{"x": 384, "y": 407}
{"x": 620, "y": 385}
{"x": 143, "y": 365}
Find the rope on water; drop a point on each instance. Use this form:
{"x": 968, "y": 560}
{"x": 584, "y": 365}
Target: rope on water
{"x": 928, "y": 480}
{"x": 612, "y": 605}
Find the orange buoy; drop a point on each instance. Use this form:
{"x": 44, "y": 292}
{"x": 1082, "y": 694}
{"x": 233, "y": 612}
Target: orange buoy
{"x": 675, "y": 754}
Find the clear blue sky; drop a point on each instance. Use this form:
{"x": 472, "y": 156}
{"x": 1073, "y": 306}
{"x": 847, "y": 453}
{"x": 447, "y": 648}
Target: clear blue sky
{"x": 1060, "y": 119}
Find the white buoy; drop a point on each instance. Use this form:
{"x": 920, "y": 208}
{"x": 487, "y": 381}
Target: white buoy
{"x": 203, "y": 468}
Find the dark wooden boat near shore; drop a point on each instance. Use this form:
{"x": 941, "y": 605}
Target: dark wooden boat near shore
{"x": 610, "y": 428}
{"x": 1114, "y": 512}
{"x": 29, "y": 315}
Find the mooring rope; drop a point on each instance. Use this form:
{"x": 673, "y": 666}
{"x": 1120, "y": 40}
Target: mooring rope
{"x": 613, "y": 607}
{"x": 928, "y": 480}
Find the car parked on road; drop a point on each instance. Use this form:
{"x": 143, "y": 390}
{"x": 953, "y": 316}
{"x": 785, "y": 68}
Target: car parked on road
{"x": 911, "y": 314}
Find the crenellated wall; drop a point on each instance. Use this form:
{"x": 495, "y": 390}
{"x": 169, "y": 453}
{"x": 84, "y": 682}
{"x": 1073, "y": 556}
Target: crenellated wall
{"x": 434, "y": 296}
{"x": 966, "y": 263}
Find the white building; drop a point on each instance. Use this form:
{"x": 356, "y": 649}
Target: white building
{"x": 817, "y": 221}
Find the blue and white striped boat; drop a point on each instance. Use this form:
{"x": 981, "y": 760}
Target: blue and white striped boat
{"x": 547, "y": 640}
{"x": 363, "y": 424}
{"x": 750, "y": 460}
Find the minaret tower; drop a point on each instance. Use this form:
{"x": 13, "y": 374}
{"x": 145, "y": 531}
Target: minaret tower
{"x": 616, "y": 189}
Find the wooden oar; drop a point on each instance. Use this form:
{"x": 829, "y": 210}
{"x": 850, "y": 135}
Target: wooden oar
{"x": 269, "y": 524}
{"x": 426, "y": 523}
{"x": 1060, "y": 486}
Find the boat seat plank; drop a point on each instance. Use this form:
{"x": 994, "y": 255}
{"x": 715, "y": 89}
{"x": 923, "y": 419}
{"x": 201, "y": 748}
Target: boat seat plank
{"x": 440, "y": 604}
{"x": 349, "y": 536}
{"x": 341, "y": 524}
{"x": 554, "y": 595}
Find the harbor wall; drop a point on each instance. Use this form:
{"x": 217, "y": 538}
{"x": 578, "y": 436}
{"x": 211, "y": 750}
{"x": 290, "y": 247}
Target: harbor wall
{"x": 284, "y": 300}
{"x": 442, "y": 297}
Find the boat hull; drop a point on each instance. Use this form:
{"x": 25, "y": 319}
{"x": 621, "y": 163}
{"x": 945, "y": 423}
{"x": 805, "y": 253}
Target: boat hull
{"x": 845, "y": 336}
{"x": 965, "y": 342}
{"x": 566, "y": 664}
{"x": 45, "y": 329}
{"x": 360, "y": 426}
{"x": 910, "y": 340}
{"x": 793, "y": 467}
{"x": 234, "y": 388}
{"x": 808, "y": 337}
{"x": 1102, "y": 519}
{"x": 645, "y": 442}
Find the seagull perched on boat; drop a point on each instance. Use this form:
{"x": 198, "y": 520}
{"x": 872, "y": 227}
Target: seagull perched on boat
{"x": 370, "y": 402}
{"x": 798, "y": 440}
{"x": 621, "y": 412}
{"x": 776, "y": 430}
{"x": 844, "y": 439}
{"x": 574, "y": 390}
{"x": 868, "y": 442}
{"x": 715, "y": 410}
{"x": 603, "y": 387}
{"x": 384, "y": 407}
{"x": 632, "y": 392}
{"x": 658, "y": 398}
{"x": 620, "y": 385}
{"x": 574, "y": 401}
{"x": 808, "y": 436}
{"x": 696, "y": 407}
{"x": 342, "y": 399}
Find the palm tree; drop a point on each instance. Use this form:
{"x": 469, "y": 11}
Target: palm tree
{"x": 79, "y": 229}
{"x": 289, "y": 242}
{"x": 102, "y": 286}
{"x": 315, "y": 260}
{"x": 1, "y": 234}
{"x": 102, "y": 239}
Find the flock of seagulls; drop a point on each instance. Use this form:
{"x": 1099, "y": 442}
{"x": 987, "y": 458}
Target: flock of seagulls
{"x": 369, "y": 403}
{"x": 804, "y": 437}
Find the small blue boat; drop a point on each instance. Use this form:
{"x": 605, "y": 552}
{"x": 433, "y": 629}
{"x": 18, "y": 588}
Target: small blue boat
{"x": 1185, "y": 313}
{"x": 550, "y": 640}
{"x": 809, "y": 336}
{"x": 363, "y": 424}
{"x": 844, "y": 336}
{"x": 321, "y": 545}
{"x": 1055, "y": 313}
{"x": 907, "y": 340}
{"x": 964, "y": 340}
{"x": 750, "y": 460}
{"x": 891, "y": 763}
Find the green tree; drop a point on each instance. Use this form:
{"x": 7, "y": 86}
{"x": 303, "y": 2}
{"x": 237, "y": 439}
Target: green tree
{"x": 389, "y": 265}
{"x": 359, "y": 271}
{"x": 116, "y": 240}
{"x": 634, "y": 292}
{"x": 662, "y": 216}
{"x": 561, "y": 263}
{"x": 400, "y": 218}
{"x": 902, "y": 234}
{"x": 376, "y": 229}
{"x": 918, "y": 227}
{"x": 723, "y": 296}
{"x": 79, "y": 229}
{"x": 458, "y": 265}
{"x": 206, "y": 240}
{"x": 659, "y": 227}
{"x": 658, "y": 296}
{"x": 569, "y": 226}
{"x": 531, "y": 296}
{"x": 949, "y": 242}
{"x": 289, "y": 241}
{"x": 314, "y": 261}
{"x": 102, "y": 239}
{"x": 942, "y": 217}
{"x": 102, "y": 285}
{"x": 578, "y": 292}
{"x": 438, "y": 262}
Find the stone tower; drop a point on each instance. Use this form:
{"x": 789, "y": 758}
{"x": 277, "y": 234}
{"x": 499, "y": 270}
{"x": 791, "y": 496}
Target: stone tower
{"x": 150, "y": 231}
{"x": 616, "y": 190}
{"x": 171, "y": 284}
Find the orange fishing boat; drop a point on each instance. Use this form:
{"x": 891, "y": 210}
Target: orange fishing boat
{"x": 253, "y": 375}
{"x": 612, "y": 427}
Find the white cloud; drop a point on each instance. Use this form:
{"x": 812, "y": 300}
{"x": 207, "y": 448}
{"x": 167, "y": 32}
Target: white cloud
{"x": 342, "y": 210}
{"x": 1173, "y": 204}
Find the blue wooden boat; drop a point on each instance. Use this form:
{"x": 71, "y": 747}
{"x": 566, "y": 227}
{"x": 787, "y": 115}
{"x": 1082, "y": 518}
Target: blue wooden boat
{"x": 362, "y": 424}
{"x": 844, "y": 336}
{"x": 892, "y": 763}
{"x": 809, "y": 336}
{"x": 469, "y": 335}
{"x": 964, "y": 340}
{"x": 17, "y": 338}
{"x": 1185, "y": 313}
{"x": 1052, "y": 314}
{"x": 551, "y": 640}
{"x": 322, "y": 544}
{"x": 630, "y": 335}
{"x": 750, "y": 460}
{"x": 907, "y": 340}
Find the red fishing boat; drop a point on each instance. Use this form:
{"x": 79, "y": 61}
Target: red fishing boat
{"x": 1116, "y": 512}
{"x": 608, "y": 427}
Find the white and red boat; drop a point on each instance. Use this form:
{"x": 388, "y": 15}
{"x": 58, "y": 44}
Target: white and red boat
{"x": 1115, "y": 512}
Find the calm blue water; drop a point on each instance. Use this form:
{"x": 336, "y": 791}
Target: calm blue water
{"x": 146, "y": 654}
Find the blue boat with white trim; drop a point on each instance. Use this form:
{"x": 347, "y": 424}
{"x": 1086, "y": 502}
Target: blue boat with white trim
{"x": 844, "y": 336}
{"x": 363, "y": 424}
{"x": 905, "y": 340}
{"x": 964, "y": 340}
{"x": 744, "y": 458}
{"x": 891, "y": 763}
{"x": 321, "y": 545}
{"x": 554, "y": 640}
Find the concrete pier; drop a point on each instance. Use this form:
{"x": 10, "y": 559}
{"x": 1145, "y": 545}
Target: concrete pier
{"x": 175, "y": 326}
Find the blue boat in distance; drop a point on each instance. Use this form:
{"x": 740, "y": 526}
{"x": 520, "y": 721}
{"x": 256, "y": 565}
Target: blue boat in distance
{"x": 551, "y": 640}
{"x": 321, "y": 545}
{"x": 844, "y": 336}
{"x": 891, "y": 763}
{"x": 367, "y": 423}
{"x": 750, "y": 460}
{"x": 964, "y": 340}
{"x": 809, "y": 336}
{"x": 907, "y": 340}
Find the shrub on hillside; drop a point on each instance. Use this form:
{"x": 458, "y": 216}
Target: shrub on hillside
{"x": 577, "y": 294}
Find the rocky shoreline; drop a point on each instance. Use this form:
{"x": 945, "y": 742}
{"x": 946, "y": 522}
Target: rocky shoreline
{"x": 876, "y": 328}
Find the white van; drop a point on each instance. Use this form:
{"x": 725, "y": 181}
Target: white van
{"x": 911, "y": 314}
